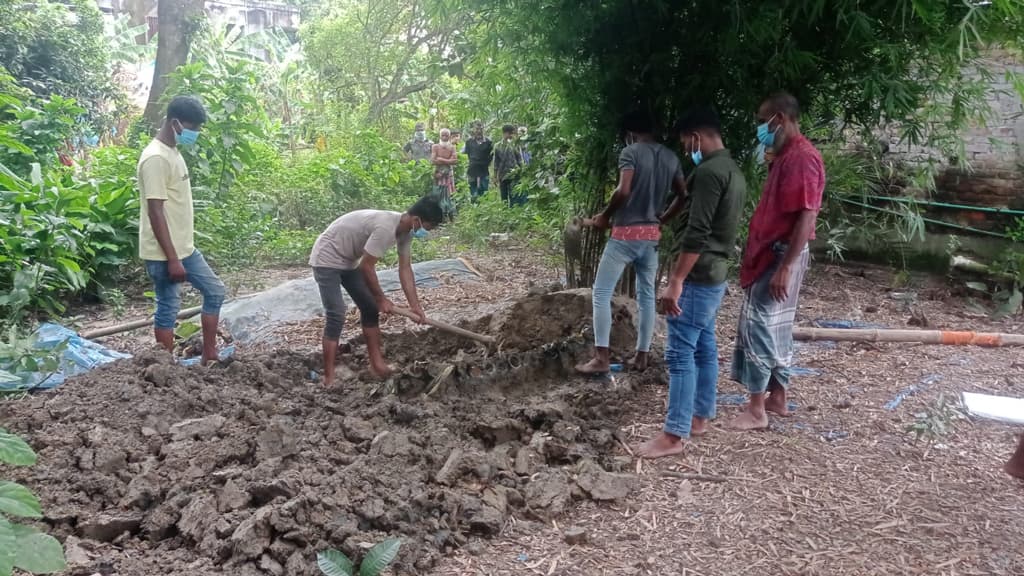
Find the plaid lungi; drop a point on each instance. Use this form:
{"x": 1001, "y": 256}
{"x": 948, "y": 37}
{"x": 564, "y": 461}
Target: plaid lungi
{"x": 764, "y": 338}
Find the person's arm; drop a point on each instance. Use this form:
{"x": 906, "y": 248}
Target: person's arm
{"x": 158, "y": 221}
{"x": 153, "y": 175}
{"x": 408, "y": 280}
{"x": 707, "y": 193}
{"x": 368, "y": 266}
{"x": 619, "y": 197}
{"x": 433, "y": 155}
{"x": 798, "y": 240}
{"x": 802, "y": 186}
{"x": 678, "y": 201}
{"x": 627, "y": 167}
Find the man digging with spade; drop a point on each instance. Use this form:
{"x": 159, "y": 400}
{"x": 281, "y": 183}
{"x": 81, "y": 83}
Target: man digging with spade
{"x": 346, "y": 254}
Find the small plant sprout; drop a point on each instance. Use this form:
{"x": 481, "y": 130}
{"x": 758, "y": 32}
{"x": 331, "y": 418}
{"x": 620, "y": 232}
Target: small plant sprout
{"x": 335, "y": 563}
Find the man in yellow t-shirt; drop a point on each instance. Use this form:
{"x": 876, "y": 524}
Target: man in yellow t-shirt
{"x": 166, "y": 233}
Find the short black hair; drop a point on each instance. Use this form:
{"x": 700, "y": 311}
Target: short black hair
{"x": 639, "y": 121}
{"x": 508, "y": 129}
{"x": 427, "y": 209}
{"x": 785, "y": 103}
{"x": 187, "y": 109}
{"x": 699, "y": 118}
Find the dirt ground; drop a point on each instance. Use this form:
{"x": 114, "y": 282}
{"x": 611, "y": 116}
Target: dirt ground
{"x": 498, "y": 461}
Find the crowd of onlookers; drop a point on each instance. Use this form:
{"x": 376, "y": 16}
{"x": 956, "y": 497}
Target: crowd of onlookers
{"x": 485, "y": 160}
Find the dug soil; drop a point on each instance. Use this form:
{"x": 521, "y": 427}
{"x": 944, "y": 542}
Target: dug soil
{"x": 252, "y": 467}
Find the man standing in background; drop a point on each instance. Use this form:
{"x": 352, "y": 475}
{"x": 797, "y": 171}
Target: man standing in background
{"x": 480, "y": 151}
{"x": 524, "y": 145}
{"x": 419, "y": 147}
{"x": 166, "y": 227}
{"x": 775, "y": 260}
{"x": 507, "y": 159}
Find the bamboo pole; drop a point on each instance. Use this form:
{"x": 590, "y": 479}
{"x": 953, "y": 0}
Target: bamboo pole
{"x": 985, "y": 339}
{"x": 135, "y": 324}
{"x": 446, "y": 327}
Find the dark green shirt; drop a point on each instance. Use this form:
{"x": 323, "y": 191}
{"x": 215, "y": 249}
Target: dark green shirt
{"x": 717, "y": 191}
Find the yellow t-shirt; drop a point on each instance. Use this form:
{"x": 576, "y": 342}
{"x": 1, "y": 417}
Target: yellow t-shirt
{"x": 163, "y": 175}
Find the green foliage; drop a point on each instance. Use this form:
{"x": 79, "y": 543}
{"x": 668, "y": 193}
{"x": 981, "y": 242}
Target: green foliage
{"x": 41, "y": 126}
{"x": 57, "y": 47}
{"x": 934, "y": 421}
{"x": 360, "y": 171}
{"x": 236, "y": 122}
{"x": 60, "y": 236}
{"x": 371, "y": 56}
{"x": 23, "y": 547}
{"x": 335, "y": 563}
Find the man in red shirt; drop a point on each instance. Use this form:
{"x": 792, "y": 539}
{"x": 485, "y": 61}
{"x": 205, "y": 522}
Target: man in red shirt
{"x": 775, "y": 260}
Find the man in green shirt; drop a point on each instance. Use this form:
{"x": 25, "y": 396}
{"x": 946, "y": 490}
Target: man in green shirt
{"x": 697, "y": 282}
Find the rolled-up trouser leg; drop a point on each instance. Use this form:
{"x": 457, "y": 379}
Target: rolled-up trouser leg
{"x": 328, "y": 280}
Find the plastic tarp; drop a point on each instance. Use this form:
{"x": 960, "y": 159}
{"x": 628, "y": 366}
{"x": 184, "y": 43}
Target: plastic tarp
{"x": 1001, "y": 408}
{"x": 79, "y": 356}
{"x": 249, "y": 319}
{"x": 254, "y": 318}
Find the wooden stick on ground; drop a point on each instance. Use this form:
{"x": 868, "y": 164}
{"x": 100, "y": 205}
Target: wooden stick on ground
{"x": 135, "y": 324}
{"x": 701, "y": 477}
{"x": 989, "y": 340}
{"x": 446, "y": 327}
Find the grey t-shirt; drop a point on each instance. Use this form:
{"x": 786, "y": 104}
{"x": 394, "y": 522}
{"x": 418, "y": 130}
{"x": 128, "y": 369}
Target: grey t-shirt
{"x": 345, "y": 241}
{"x": 654, "y": 167}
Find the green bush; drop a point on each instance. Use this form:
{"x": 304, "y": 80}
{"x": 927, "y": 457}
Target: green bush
{"x": 23, "y": 547}
{"x": 60, "y": 236}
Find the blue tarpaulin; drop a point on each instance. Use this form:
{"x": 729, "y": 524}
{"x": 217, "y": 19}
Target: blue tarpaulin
{"x": 79, "y": 356}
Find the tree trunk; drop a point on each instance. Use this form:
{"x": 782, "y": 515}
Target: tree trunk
{"x": 175, "y": 24}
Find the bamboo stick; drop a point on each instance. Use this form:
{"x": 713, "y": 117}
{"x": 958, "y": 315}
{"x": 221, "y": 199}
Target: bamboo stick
{"x": 985, "y": 339}
{"x": 135, "y": 324}
{"x": 446, "y": 327}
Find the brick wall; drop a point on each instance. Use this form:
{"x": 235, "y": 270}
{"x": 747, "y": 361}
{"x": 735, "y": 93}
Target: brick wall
{"x": 995, "y": 153}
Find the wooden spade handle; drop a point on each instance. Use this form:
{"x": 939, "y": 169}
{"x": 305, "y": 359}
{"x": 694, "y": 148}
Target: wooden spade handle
{"x": 446, "y": 327}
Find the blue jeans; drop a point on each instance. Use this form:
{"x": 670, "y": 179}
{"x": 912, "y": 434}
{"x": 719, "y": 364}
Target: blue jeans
{"x": 692, "y": 357}
{"x": 478, "y": 186}
{"x": 643, "y": 255}
{"x": 168, "y": 293}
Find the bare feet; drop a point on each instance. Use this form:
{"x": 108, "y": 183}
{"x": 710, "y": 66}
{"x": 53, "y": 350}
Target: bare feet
{"x": 664, "y": 444}
{"x": 750, "y": 420}
{"x": 1015, "y": 467}
{"x": 595, "y": 366}
{"x": 776, "y": 403}
{"x": 381, "y": 372}
{"x": 639, "y": 362}
{"x": 698, "y": 426}
{"x": 600, "y": 364}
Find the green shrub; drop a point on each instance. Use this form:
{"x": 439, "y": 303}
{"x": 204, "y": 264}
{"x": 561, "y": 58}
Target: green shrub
{"x": 23, "y": 547}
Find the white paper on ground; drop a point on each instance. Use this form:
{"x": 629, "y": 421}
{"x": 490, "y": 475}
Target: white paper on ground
{"x": 1000, "y": 408}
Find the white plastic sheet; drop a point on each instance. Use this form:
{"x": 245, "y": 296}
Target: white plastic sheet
{"x": 254, "y": 318}
{"x": 1001, "y": 408}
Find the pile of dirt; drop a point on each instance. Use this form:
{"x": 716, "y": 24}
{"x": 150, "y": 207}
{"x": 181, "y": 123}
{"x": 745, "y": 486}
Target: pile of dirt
{"x": 251, "y": 468}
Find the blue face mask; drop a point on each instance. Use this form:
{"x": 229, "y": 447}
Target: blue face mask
{"x": 420, "y": 233}
{"x": 697, "y": 155}
{"x": 186, "y": 137}
{"x": 765, "y": 135}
